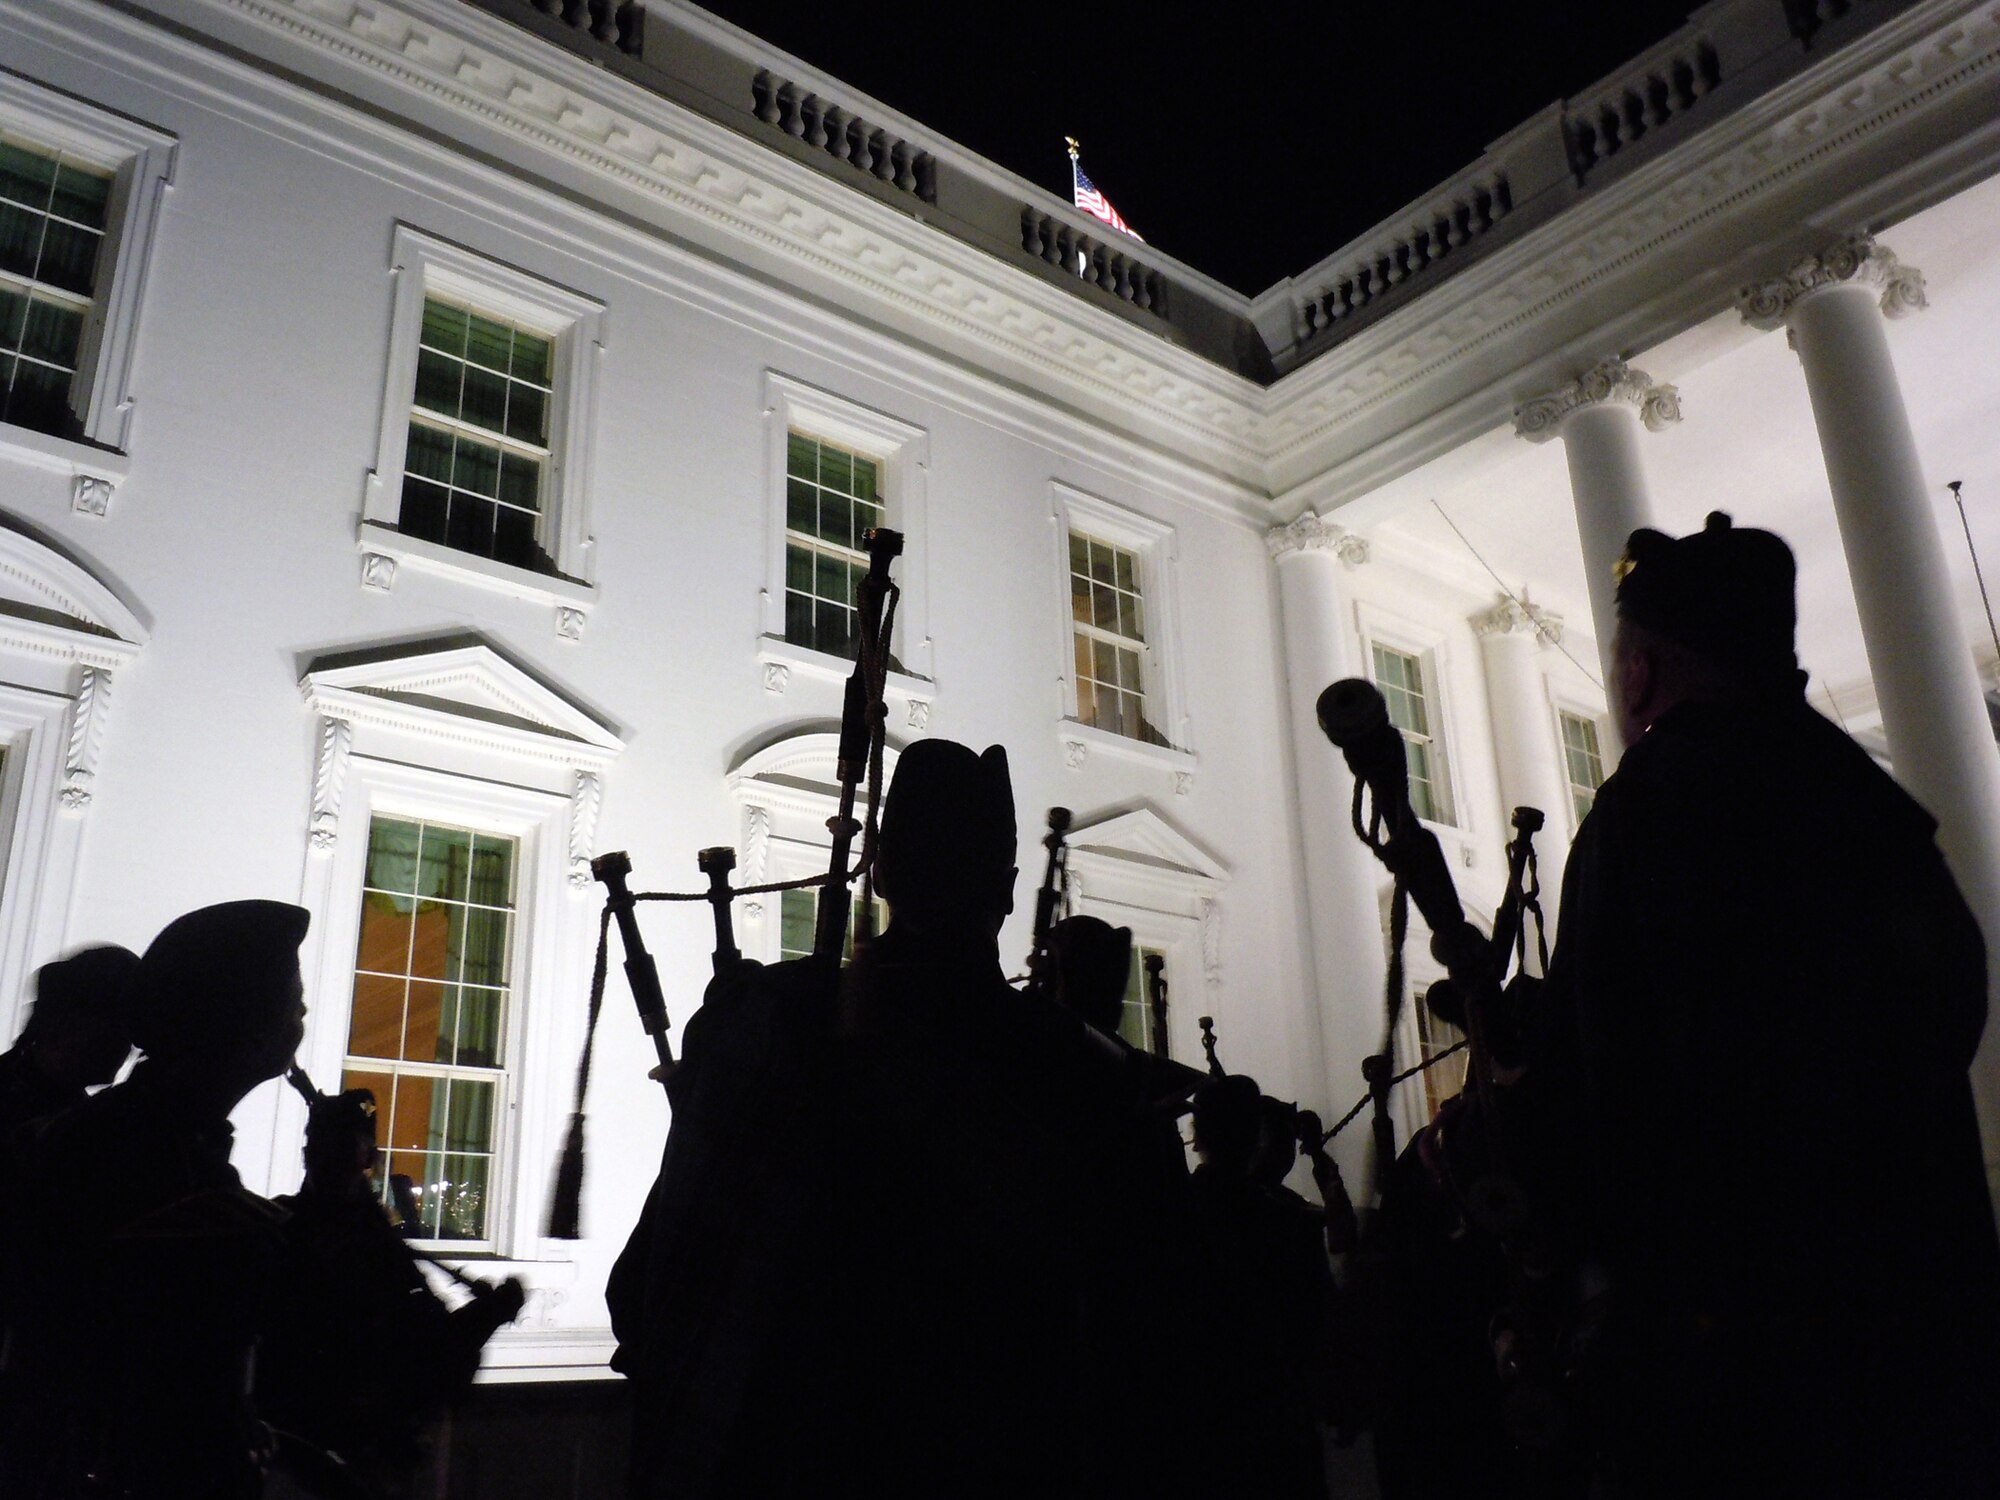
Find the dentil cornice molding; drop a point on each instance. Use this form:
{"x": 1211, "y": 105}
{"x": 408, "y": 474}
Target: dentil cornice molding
{"x": 1608, "y": 382}
{"x": 550, "y": 101}
{"x": 1512, "y": 616}
{"x": 1309, "y": 533}
{"x": 1854, "y": 261}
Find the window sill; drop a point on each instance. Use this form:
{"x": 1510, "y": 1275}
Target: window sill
{"x": 384, "y": 550}
{"x": 778, "y": 659}
{"x": 65, "y": 455}
{"x": 1080, "y": 741}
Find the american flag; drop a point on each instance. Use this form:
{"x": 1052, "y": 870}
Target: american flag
{"x": 1094, "y": 203}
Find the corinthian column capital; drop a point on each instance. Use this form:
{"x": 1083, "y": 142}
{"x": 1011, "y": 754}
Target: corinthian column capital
{"x": 1609, "y": 382}
{"x": 1854, "y": 261}
{"x": 1309, "y": 533}
{"x": 1511, "y": 616}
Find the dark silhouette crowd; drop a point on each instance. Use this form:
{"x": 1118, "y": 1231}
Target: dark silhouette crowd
{"x": 1709, "y": 1220}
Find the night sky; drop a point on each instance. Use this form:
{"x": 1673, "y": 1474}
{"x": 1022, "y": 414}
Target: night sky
{"x": 1248, "y": 148}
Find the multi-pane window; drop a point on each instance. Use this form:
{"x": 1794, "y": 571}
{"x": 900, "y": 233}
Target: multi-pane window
{"x": 1434, "y": 1039}
{"x": 52, "y": 212}
{"x": 475, "y": 472}
{"x": 1400, "y": 676}
{"x": 1583, "y": 760}
{"x": 798, "y": 917}
{"x": 1108, "y": 620}
{"x": 433, "y": 977}
{"x": 832, "y": 500}
{"x": 1135, "y": 1020}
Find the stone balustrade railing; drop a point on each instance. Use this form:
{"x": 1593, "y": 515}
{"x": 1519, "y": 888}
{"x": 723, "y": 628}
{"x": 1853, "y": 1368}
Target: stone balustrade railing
{"x": 1664, "y": 85}
{"x": 1459, "y": 214}
{"x": 616, "y": 24}
{"x": 1730, "y": 52}
{"x": 1109, "y": 267}
{"x": 844, "y": 135}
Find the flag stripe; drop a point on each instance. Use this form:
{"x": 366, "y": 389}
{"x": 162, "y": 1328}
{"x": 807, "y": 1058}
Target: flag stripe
{"x": 1094, "y": 203}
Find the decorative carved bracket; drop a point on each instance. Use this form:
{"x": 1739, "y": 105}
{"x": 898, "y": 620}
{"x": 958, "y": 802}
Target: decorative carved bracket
{"x": 336, "y": 740}
{"x": 90, "y": 494}
{"x": 570, "y": 622}
{"x": 585, "y": 797}
{"x": 776, "y": 676}
{"x": 920, "y": 714}
{"x": 1075, "y": 753}
{"x": 1517, "y": 616}
{"x": 1608, "y": 382}
{"x": 378, "y": 571}
{"x": 86, "y": 734}
{"x": 1211, "y": 942}
{"x": 756, "y": 853}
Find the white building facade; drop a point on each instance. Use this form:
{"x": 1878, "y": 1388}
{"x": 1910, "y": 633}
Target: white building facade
{"x": 437, "y": 436}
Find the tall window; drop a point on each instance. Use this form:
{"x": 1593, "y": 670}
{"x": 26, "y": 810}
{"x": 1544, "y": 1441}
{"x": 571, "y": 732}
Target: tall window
{"x": 478, "y": 456}
{"x": 1135, "y": 1021}
{"x": 1400, "y": 676}
{"x": 1108, "y": 619}
{"x": 52, "y": 214}
{"x": 1582, "y": 759}
{"x": 832, "y": 499}
{"x": 433, "y": 975}
{"x": 1434, "y": 1038}
{"x": 798, "y": 918}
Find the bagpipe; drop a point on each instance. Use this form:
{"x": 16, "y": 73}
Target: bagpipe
{"x": 858, "y": 769}
{"x": 1474, "y": 1152}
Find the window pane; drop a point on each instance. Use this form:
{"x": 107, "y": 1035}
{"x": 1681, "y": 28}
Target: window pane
{"x": 484, "y": 399}
{"x": 520, "y": 481}
{"x": 26, "y": 176}
{"x": 427, "y": 1023}
{"x": 438, "y": 381}
{"x": 392, "y": 855}
{"x": 469, "y": 1116}
{"x": 387, "y": 923}
{"x": 462, "y": 1209}
{"x": 423, "y": 510}
{"x": 483, "y": 956}
{"x": 444, "y": 326}
{"x": 836, "y": 470}
{"x": 476, "y": 467}
{"x": 479, "y": 1014}
{"x": 13, "y": 316}
{"x": 867, "y": 476}
{"x": 799, "y": 616}
{"x": 445, "y": 862}
{"x": 488, "y": 343}
{"x": 801, "y": 508}
{"x": 20, "y": 240}
{"x": 69, "y": 257}
{"x": 469, "y": 528}
{"x": 410, "y": 1121}
{"x": 428, "y": 454}
{"x": 796, "y": 914}
{"x": 39, "y": 398}
{"x": 527, "y": 414}
{"x": 375, "y": 1028}
{"x": 801, "y": 457}
{"x": 81, "y": 194}
{"x": 836, "y": 519}
{"x": 531, "y": 357}
{"x": 52, "y": 332}
{"x": 830, "y": 578}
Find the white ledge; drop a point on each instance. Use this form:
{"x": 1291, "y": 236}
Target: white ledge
{"x": 789, "y": 657}
{"x": 486, "y": 572}
{"x": 63, "y": 455}
{"x": 1103, "y": 741}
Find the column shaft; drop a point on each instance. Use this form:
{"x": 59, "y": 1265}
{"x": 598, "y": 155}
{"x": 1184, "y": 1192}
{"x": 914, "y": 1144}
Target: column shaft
{"x": 1608, "y": 485}
{"x": 1526, "y": 751}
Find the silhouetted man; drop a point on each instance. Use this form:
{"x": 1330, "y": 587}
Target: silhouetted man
{"x": 868, "y": 1264}
{"x": 77, "y": 1037}
{"x": 1764, "y": 997}
{"x": 361, "y": 1355}
{"x": 146, "y": 1266}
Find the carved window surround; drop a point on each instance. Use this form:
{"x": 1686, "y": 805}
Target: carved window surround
{"x": 456, "y": 733}
{"x": 425, "y": 265}
{"x": 1138, "y": 870}
{"x": 65, "y": 639}
{"x": 142, "y": 161}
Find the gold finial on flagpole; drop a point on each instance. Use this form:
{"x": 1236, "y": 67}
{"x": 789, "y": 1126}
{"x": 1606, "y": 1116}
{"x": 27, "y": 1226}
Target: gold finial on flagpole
{"x": 1070, "y": 141}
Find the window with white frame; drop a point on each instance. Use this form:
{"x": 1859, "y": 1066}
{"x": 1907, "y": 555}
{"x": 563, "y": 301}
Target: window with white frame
{"x": 427, "y": 1028}
{"x": 1401, "y": 676}
{"x": 1120, "y": 667}
{"x": 838, "y": 468}
{"x": 1135, "y": 1019}
{"x": 1583, "y": 760}
{"x": 447, "y": 872}
{"x": 79, "y": 194}
{"x": 1435, "y": 1038}
{"x": 483, "y": 468}
{"x": 1108, "y": 622}
{"x": 798, "y": 921}
{"x": 833, "y": 498}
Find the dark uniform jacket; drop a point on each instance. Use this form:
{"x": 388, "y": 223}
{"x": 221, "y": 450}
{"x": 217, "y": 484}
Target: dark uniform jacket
{"x": 1765, "y": 995}
{"x": 144, "y": 1275}
{"x": 879, "y": 1259}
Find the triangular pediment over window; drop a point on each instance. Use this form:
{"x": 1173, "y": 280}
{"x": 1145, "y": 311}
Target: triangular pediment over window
{"x": 462, "y": 690}
{"x": 1146, "y": 840}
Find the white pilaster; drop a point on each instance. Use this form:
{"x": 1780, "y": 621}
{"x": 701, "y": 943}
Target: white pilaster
{"x": 1527, "y": 751}
{"x": 1833, "y": 306}
{"x": 1598, "y": 417}
{"x": 1342, "y": 878}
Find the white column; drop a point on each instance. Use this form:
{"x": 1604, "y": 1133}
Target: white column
{"x": 1342, "y": 878}
{"x": 1527, "y": 749}
{"x": 1598, "y": 416}
{"x": 1833, "y": 307}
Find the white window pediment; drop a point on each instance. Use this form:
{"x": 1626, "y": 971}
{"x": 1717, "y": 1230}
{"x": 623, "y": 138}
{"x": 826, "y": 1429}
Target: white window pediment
{"x": 1139, "y": 858}
{"x": 468, "y": 693}
{"x": 51, "y": 607}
